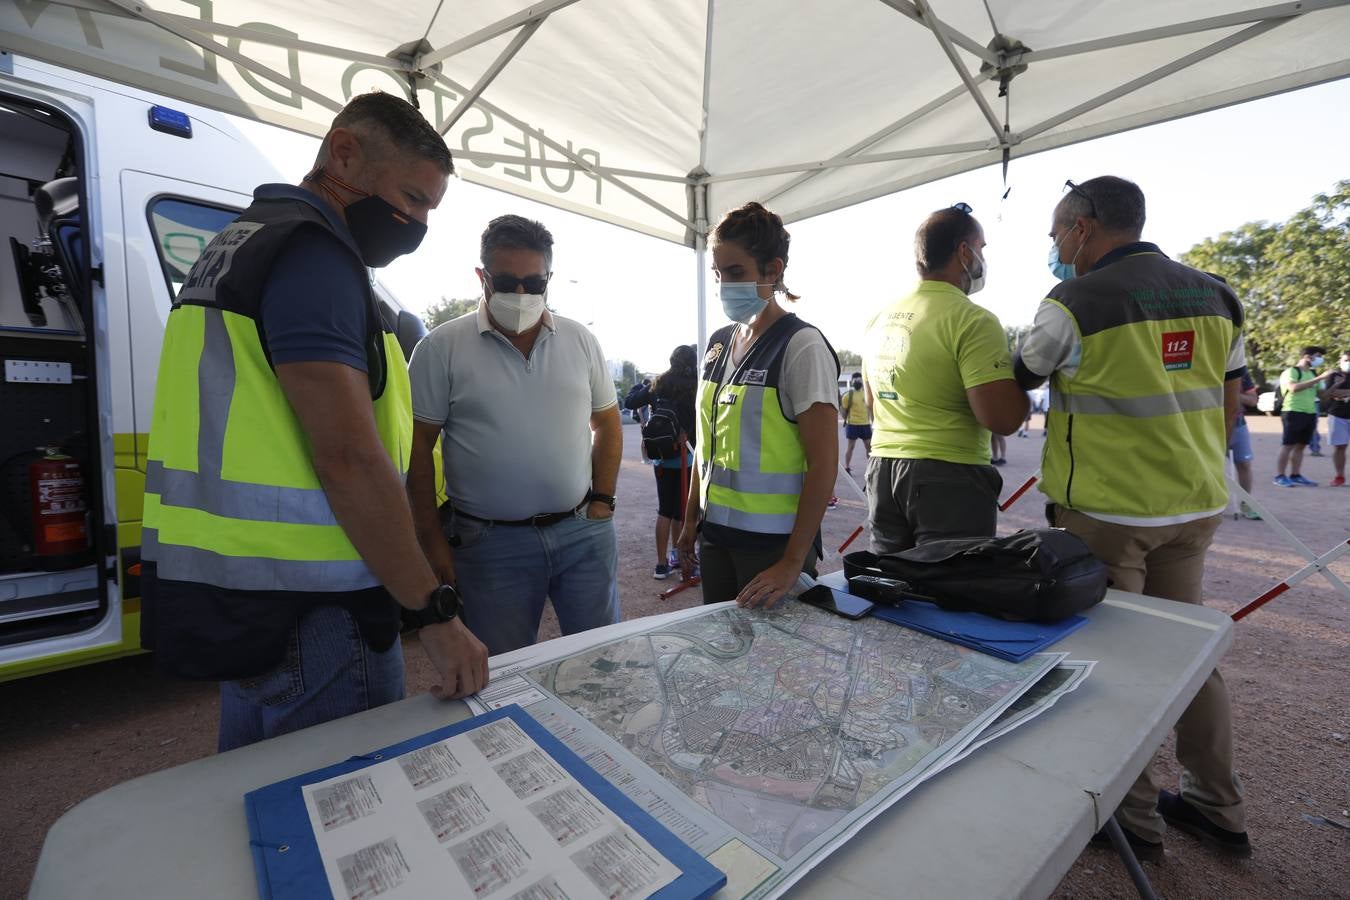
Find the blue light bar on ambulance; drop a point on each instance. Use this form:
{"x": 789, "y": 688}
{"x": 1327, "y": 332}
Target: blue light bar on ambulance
{"x": 170, "y": 121}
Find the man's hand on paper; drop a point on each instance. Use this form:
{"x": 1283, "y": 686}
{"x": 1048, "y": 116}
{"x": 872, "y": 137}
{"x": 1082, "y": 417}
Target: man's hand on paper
{"x": 460, "y": 659}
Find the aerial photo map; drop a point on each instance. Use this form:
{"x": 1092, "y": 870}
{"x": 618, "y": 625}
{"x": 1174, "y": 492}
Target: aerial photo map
{"x": 787, "y": 725}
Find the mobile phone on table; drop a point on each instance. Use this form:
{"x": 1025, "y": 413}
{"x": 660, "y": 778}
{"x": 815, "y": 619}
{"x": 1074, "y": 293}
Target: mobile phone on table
{"x": 837, "y": 602}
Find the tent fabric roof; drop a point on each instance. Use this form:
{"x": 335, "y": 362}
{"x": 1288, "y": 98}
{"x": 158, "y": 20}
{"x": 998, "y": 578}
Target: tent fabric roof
{"x": 657, "y": 114}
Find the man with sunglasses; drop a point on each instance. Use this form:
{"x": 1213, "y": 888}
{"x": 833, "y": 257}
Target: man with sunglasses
{"x": 939, "y": 380}
{"x": 1145, "y": 357}
{"x": 523, "y": 404}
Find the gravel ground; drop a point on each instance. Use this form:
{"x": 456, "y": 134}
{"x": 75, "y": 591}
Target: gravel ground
{"x": 66, "y": 736}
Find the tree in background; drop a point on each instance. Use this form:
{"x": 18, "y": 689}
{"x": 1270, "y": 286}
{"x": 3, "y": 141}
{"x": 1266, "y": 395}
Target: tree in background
{"x": 1014, "y": 335}
{"x": 849, "y": 361}
{"x": 446, "y": 309}
{"x": 629, "y": 376}
{"x": 1293, "y": 278}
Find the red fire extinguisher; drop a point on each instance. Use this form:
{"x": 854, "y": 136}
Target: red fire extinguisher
{"x": 60, "y": 512}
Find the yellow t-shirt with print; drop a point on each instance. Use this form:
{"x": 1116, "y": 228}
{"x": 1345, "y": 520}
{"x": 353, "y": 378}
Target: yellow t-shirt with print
{"x": 854, "y": 405}
{"x": 920, "y": 355}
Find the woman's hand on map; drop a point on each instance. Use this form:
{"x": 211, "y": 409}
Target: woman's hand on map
{"x": 769, "y": 586}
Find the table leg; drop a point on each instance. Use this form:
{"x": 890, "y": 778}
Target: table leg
{"x": 1127, "y": 857}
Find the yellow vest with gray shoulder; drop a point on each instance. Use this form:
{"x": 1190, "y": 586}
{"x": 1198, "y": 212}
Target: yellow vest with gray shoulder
{"x": 1139, "y": 430}
{"x": 237, "y": 526}
{"x": 751, "y": 459}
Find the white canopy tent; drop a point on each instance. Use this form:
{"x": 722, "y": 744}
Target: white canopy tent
{"x": 656, "y": 114}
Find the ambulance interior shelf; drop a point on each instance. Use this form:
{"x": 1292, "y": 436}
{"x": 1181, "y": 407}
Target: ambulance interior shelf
{"x": 49, "y": 583}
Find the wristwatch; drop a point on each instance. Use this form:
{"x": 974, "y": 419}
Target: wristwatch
{"x": 443, "y": 605}
{"x": 596, "y": 497}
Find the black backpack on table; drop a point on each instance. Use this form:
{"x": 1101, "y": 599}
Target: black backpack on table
{"x": 1041, "y": 574}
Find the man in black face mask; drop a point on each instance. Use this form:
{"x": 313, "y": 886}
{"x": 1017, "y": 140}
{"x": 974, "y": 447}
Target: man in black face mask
{"x": 276, "y": 523}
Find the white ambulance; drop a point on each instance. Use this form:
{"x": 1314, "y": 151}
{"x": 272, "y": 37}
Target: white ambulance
{"x": 107, "y": 196}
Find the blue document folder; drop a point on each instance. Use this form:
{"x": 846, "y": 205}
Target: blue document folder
{"x": 286, "y": 855}
{"x": 1013, "y": 641}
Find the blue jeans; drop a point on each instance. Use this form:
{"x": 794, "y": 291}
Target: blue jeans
{"x": 505, "y": 572}
{"x": 328, "y": 672}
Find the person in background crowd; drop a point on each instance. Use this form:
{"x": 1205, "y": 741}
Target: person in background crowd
{"x": 1129, "y": 338}
{"x": 530, "y": 434}
{"x": 857, "y": 416}
{"x": 998, "y": 448}
{"x": 1336, "y": 396}
{"x": 1298, "y": 389}
{"x": 939, "y": 377}
{"x": 281, "y": 419}
{"x": 767, "y": 403}
{"x": 671, "y": 397}
{"x": 1240, "y": 444}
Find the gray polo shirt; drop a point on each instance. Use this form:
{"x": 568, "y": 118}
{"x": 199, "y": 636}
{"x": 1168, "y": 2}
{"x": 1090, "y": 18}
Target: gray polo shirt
{"x": 517, "y": 434}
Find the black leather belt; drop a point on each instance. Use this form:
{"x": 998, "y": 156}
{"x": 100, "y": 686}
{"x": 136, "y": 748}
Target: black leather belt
{"x": 542, "y": 520}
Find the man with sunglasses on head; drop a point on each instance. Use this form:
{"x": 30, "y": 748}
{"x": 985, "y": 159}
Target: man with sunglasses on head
{"x": 528, "y": 419}
{"x": 278, "y": 545}
{"x": 939, "y": 380}
{"x": 1145, "y": 357}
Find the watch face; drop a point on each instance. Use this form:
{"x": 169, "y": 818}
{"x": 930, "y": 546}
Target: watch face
{"x": 446, "y": 601}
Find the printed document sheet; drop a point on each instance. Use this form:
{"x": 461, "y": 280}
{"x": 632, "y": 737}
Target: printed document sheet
{"x": 484, "y": 814}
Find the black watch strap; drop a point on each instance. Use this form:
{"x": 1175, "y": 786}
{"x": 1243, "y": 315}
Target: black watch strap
{"x": 597, "y": 497}
{"x": 443, "y": 605}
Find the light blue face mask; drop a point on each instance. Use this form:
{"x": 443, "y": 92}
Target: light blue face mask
{"x": 741, "y": 300}
{"x": 1062, "y": 270}
{"x": 1317, "y": 361}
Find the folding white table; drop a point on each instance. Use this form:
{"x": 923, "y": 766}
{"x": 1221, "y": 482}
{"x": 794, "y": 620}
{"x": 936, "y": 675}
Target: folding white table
{"x": 1007, "y": 822}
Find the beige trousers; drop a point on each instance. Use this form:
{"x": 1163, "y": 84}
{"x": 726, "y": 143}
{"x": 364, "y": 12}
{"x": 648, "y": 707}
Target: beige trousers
{"x": 1169, "y": 562}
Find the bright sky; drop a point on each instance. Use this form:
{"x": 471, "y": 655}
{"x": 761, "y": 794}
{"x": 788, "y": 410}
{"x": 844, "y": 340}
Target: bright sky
{"x": 1201, "y": 176}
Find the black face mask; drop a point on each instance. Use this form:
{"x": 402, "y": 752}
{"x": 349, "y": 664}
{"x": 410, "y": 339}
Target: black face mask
{"x": 381, "y": 232}
{"x": 857, "y": 384}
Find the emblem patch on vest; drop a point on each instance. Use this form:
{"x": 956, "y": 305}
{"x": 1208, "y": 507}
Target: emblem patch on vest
{"x": 713, "y": 352}
{"x": 1178, "y": 348}
{"x": 756, "y": 376}
{"x": 215, "y": 261}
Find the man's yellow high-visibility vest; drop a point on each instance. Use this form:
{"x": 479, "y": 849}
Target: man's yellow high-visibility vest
{"x": 1138, "y": 429}
{"x": 238, "y": 531}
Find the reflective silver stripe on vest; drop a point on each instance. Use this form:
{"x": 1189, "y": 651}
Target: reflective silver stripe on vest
{"x": 752, "y": 414}
{"x": 764, "y": 523}
{"x": 757, "y": 482}
{"x": 237, "y": 499}
{"x": 1139, "y": 407}
{"x": 176, "y": 562}
{"x": 215, "y": 390}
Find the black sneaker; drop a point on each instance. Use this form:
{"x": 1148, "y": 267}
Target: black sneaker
{"x": 661, "y": 572}
{"x": 1181, "y": 815}
{"x": 1144, "y": 851}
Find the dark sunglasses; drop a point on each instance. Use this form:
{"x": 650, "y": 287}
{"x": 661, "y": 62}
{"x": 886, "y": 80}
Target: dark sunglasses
{"x": 503, "y": 283}
{"x": 963, "y": 207}
{"x": 1075, "y": 189}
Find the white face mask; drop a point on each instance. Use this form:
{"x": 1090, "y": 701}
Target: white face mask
{"x": 976, "y": 277}
{"x": 516, "y": 312}
{"x": 1345, "y": 366}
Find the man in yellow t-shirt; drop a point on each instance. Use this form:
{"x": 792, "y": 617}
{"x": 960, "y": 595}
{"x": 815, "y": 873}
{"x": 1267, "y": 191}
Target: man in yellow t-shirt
{"x": 857, "y": 415}
{"x": 939, "y": 377}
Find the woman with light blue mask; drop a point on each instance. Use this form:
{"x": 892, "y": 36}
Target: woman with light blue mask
{"x": 768, "y": 401}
